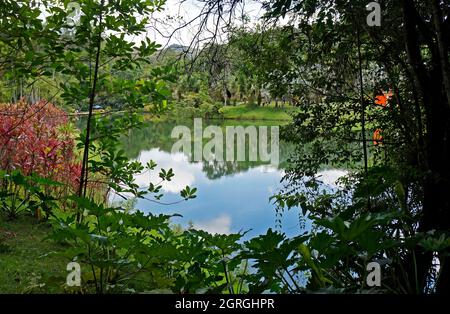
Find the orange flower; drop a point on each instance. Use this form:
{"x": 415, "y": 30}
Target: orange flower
{"x": 377, "y": 137}
{"x": 383, "y": 98}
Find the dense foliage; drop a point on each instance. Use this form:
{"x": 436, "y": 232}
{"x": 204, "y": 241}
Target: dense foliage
{"x": 373, "y": 100}
{"x": 386, "y": 88}
{"x": 36, "y": 140}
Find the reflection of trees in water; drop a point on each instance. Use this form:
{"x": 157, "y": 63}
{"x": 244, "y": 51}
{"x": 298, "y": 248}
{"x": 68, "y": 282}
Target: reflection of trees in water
{"x": 154, "y": 135}
{"x": 158, "y": 135}
{"x": 216, "y": 169}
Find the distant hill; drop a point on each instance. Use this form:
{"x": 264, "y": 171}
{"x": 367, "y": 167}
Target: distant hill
{"x": 177, "y": 48}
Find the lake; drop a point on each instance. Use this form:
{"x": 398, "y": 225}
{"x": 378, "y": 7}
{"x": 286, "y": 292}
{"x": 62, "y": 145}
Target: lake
{"x": 232, "y": 196}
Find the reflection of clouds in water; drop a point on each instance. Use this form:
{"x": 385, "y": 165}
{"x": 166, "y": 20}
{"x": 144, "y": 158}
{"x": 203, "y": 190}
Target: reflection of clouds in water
{"x": 221, "y": 224}
{"x": 238, "y": 198}
{"x": 329, "y": 177}
{"x": 185, "y": 173}
{"x": 270, "y": 169}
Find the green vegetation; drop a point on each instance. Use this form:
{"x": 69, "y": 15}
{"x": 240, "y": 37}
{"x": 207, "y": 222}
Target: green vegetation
{"x": 26, "y": 256}
{"x": 244, "y": 112}
{"x": 375, "y": 98}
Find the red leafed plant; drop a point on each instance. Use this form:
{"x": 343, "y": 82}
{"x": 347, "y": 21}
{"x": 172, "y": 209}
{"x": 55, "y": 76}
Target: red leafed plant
{"x": 34, "y": 139}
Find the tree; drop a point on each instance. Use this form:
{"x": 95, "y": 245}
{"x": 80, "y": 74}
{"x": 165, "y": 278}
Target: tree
{"x": 418, "y": 120}
{"x": 263, "y": 57}
{"x": 86, "y": 50}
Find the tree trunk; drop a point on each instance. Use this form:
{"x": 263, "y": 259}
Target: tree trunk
{"x": 84, "y": 165}
{"x": 443, "y": 51}
{"x": 436, "y": 185}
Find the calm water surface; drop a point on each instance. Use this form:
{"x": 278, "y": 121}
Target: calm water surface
{"x": 231, "y": 197}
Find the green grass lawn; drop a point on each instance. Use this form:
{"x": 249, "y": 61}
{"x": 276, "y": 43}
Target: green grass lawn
{"x": 245, "y": 112}
{"x": 25, "y": 261}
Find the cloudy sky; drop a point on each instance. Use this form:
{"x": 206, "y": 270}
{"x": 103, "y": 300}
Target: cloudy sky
{"x": 179, "y": 22}
{"x": 177, "y": 13}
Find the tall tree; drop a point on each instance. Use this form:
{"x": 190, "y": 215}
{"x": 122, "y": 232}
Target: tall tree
{"x": 409, "y": 54}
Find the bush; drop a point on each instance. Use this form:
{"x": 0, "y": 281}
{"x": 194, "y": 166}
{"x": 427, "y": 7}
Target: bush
{"x": 122, "y": 252}
{"x": 35, "y": 140}
{"x": 198, "y": 105}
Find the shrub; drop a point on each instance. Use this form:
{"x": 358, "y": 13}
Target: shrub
{"x": 198, "y": 105}
{"x": 122, "y": 252}
{"x": 36, "y": 140}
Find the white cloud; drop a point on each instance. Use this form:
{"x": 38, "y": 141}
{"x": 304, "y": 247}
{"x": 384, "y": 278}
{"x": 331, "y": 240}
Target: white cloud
{"x": 329, "y": 177}
{"x": 221, "y": 224}
{"x": 176, "y": 14}
{"x": 268, "y": 169}
{"x": 185, "y": 172}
